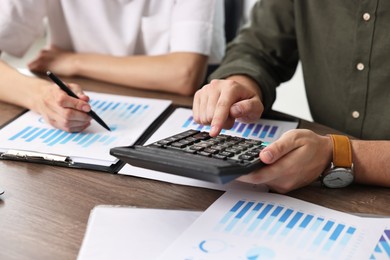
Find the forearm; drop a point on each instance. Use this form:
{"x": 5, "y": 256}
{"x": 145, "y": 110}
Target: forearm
{"x": 181, "y": 73}
{"x": 371, "y": 161}
{"x": 16, "y": 88}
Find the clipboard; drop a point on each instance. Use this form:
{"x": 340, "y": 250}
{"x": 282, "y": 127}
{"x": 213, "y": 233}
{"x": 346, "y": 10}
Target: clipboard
{"x": 28, "y": 138}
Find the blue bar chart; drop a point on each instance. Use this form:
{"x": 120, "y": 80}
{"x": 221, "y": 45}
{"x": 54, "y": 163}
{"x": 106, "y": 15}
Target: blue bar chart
{"x": 114, "y": 113}
{"x": 52, "y": 137}
{"x": 252, "y": 130}
{"x": 257, "y": 226}
{"x": 382, "y": 249}
{"x": 120, "y": 110}
{"x": 306, "y": 232}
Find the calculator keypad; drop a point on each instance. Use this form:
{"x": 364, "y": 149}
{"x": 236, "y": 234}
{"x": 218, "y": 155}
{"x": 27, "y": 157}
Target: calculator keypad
{"x": 223, "y": 147}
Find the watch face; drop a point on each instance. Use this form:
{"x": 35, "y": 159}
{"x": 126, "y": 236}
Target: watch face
{"x": 338, "y": 178}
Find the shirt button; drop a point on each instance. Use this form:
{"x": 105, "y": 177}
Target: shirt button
{"x": 360, "y": 66}
{"x": 355, "y": 114}
{"x": 366, "y": 17}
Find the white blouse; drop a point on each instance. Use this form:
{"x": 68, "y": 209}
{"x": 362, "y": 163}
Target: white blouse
{"x": 115, "y": 27}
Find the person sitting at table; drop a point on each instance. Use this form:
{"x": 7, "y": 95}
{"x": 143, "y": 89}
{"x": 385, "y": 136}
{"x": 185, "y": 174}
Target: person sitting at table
{"x": 343, "y": 50}
{"x": 147, "y": 44}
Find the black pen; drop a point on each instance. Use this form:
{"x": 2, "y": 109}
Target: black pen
{"x": 62, "y": 85}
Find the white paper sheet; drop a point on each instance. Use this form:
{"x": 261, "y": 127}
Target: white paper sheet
{"x": 249, "y": 225}
{"x": 128, "y": 118}
{"x": 181, "y": 120}
{"x": 132, "y": 233}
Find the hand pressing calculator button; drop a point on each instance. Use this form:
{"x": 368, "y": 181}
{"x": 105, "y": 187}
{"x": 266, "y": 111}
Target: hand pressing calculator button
{"x": 196, "y": 154}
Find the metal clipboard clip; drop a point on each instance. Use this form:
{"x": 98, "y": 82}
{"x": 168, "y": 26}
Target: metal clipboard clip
{"x": 35, "y": 156}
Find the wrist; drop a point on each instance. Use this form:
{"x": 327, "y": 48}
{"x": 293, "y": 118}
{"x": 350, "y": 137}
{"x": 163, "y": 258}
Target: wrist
{"x": 37, "y": 91}
{"x": 340, "y": 171}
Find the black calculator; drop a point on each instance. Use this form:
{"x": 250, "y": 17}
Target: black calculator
{"x": 196, "y": 154}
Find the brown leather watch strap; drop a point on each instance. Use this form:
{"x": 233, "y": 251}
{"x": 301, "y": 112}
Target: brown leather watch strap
{"x": 342, "y": 151}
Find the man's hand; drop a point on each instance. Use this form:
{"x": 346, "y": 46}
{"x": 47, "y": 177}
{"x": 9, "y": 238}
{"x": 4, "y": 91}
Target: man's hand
{"x": 222, "y": 101}
{"x": 295, "y": 160}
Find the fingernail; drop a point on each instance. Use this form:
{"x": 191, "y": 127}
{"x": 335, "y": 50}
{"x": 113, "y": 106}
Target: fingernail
{"x": 85, "y": 108}
{"x": 213, "y": 129}
{"x": 236, "y": 111}
{"x": 268, "y": 156}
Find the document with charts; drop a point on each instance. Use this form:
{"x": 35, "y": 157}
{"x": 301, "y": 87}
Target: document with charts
{"x": 30, "y": 137}
{"x": 249, "y": 225}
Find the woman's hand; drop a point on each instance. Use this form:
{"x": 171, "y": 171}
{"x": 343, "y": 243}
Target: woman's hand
{"x": 62, "y": 111}
{"x": 56, "y": 60}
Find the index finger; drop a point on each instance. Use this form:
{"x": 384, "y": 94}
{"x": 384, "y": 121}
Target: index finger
{"x": 66, "y": 101}
{"x": 221, "y": 116}
{"x": 78, "y": 91}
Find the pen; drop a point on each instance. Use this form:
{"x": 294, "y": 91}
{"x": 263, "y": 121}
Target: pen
{"x": 62, "y": 85}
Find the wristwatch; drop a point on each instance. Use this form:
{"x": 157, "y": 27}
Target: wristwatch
{"x": 340, "y": 173}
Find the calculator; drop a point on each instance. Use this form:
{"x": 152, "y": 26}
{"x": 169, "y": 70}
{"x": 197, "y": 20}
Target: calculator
{"x": 196, "y": 154}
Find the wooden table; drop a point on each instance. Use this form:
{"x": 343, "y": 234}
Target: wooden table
{"x": 45, "y": 209}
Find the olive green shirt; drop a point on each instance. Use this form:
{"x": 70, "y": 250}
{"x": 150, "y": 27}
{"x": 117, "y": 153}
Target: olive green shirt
{"x": 344, "y": 48}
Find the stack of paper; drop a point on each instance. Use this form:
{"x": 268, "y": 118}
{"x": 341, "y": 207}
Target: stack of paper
{"x": 239, "y": 225}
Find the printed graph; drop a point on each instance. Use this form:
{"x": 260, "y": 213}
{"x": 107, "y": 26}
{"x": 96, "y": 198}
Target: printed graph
{"x": 114, "y": 113}
{"x": 253, "y": 130}
{"x": 257, "y": 226}
{"x": 53, "y": 137}
{"x": 288, "y": 226}
{"x": 382, "y": 249}
{"x": 119, "y": 110}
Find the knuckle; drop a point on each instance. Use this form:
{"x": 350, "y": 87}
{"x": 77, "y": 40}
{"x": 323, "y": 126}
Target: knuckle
{"x": 209, "y": 117}
{"x": 68, "y": 113}
{"x": 61, "y": 99}
{"x": 197, "y": 94}
{"x": 222, "y": 103}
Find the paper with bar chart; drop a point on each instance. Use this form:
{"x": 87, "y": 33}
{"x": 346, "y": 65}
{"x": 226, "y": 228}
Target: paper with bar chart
{"x": 382, "y": 248}
{"x": 128, "y": 118}
{"x": 181, "y": 119}
{"x": 263, "y": 129}
{"x": 248, "y": 225}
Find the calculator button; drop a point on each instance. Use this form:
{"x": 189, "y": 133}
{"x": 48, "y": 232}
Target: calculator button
{"x": 178, "y": 145}
{"x": 191, "y": 139}
{"x": 232, "y": 150}
{"x": 227, "y": 154}
{"x": 218, "y": 147}
{"x": 245, "y": 157}
{"x": 219, "y": 156}
{"x": 196, "y": 148}
{"x": 204, "y": 153}
{"x": 254, "y": 142}
{"x": 204, "y": 144}
{"x": 252, "y": 153}
{"x": 211, "y": 151}
{"x": 163, "y": 142}
{"x": 202, "y": 136}
{"x": 186, "y": 142}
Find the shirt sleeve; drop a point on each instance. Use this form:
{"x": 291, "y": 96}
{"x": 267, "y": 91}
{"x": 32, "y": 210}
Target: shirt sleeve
{"x": 21, "y": 23}
{"x": 197, "y": 26}
{"x": 265, "y": 49}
